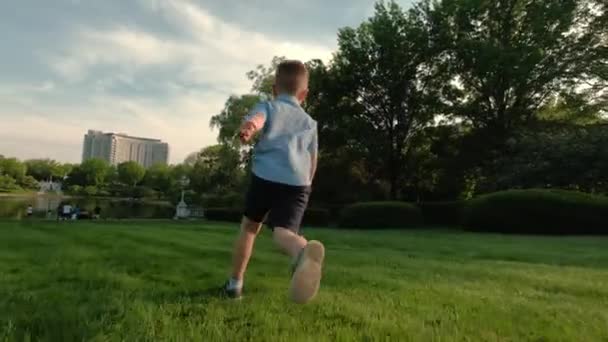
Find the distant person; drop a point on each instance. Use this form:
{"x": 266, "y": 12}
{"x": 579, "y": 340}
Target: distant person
{"x": 30, "y": 211}
{"x": 67, "y": 211}
{"x": 284, "y": 164}
{"x": 76, "y": 213}
{"x": 97, "y": 212}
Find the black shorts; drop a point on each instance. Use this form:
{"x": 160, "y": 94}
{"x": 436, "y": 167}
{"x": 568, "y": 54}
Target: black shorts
{"x": 284, "y": 204}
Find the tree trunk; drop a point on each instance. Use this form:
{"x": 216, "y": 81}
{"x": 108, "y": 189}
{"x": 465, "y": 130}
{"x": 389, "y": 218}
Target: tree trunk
{"x": 392, "y": 167}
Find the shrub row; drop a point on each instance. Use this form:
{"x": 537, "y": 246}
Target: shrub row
{"x": 534, "y": 211}
{"x": 515, "y": 211}
{"x": 317, "y": 217}
{"x": 448, "y": 214}
{"x": 312, "y": 216}
{"x": 378, "y": 215}
{"x": 224, "y": 214}
{"x": 538, "y": 212}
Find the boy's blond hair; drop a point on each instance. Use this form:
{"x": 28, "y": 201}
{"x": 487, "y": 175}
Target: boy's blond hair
{"x": 291, "y": 77}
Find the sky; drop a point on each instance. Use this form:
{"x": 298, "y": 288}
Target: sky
{"x": 152, "y": 68}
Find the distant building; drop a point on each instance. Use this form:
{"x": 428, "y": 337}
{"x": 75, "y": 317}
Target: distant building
{"x": 118, "y": 148}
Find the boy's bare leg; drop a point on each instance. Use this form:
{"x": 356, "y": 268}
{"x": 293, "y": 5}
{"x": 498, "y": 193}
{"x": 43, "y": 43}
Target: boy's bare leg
{"x": 288, "y": 241}
{"x": 243, "y": 248}
{"x": 308, "y": 258}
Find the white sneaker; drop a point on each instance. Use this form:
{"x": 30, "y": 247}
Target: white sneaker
{"x": 306, "y": 277}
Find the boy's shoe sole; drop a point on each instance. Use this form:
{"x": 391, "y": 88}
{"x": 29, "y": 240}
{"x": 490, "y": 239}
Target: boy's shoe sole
{"x": 306, "y": 278}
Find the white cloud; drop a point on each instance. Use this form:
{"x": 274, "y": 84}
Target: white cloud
{"x": 125, "y": 48}
{"x": 20, "y": 88}
{"x": 234, "y": 43}
{"x": 212, "y": 50}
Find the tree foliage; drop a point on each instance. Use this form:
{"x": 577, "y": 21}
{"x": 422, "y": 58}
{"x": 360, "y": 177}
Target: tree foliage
{"x": 7, "y": 183}
{"x": 443, "y": 101}
{"x": 423, "y": 104}
{"x": 159, "y": 177}
{"x": 230, "y": 118}
{"x": 387, "y": 68}
{"x": 574, "y": 109}
{"x": 131, "y": 173}
{"x": 262, "y": 77}
{"x": 555, "y": 156}
{"x": 44, "y": 169}
{"x": 91, "y": 172}
{"x": 13, "y": 168}
{"x": 507, "y": 58}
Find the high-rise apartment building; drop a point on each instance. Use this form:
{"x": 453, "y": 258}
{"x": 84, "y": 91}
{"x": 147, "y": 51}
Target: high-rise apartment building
{"x": 118, "y": 148}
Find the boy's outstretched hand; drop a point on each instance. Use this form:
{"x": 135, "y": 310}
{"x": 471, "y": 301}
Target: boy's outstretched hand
{"x": 247, "y": 131}
{"x": 251, "y": 126}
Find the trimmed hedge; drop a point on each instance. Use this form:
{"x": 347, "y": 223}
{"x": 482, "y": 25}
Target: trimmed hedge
{"x": 316, "y": 217}
{"x": 442, "y": 213}
{"x": 224, "y": 214}
{"x": 538, "y": 212}
{"x": 312, "y": 217}
{"x": 229, "y": 200}
{"x": 379, "y": 215}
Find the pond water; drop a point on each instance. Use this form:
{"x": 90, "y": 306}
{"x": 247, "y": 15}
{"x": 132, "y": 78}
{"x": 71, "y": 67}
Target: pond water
{"x": 16, "y": 207}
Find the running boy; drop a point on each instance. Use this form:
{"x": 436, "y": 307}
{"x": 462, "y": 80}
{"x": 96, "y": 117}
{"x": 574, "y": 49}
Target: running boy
{"x": 284, "y": 164}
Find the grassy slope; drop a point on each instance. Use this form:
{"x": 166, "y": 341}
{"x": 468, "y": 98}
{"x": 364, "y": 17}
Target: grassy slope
{"x": 150, "y": 281}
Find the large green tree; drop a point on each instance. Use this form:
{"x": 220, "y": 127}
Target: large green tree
{"x": 217, "y": 169}
{"x": 131, "y": 173}
{"x": 159, "y": 178}
{"x": 44, "y": 169}
{"x": 92, "y": 172}
{"x": 386, "y": 67}
{"x": 230, "y": 118}
{"x": 574, "y": 109}
{"x": 262, "y": 77}
{"x": 555, "y": 155}
{"x": 7, "y": 184}
{"x": 13, "y": 168}
{"x": 507, "y": 58}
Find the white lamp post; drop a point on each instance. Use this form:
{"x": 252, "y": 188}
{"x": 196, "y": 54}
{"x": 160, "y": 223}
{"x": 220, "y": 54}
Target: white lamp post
{"x": 181, "y": 211}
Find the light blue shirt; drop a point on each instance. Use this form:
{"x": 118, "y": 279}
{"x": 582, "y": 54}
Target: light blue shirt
{"x": 287, "y": 142}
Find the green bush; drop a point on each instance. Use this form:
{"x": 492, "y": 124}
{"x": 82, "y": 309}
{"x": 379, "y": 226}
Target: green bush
{"x": 8, "y": 184}
{"x": 103, "y": 193}
{"x": 378, "y": 215}
{"x": 74, "y": 190}
{"x": 312, "y": 217}
{"x": 126, "y": 209}
{"x": 442, "y": 213}
{"x": 538, "y": 212}
{"x": 229, "y": 200}
{"x": 224, "y": 214}
{"x": 316, "y": 217}
{"x": 142, "y": 192}
{"x": 89, "y": 191}
{"x": 29, "y": 182}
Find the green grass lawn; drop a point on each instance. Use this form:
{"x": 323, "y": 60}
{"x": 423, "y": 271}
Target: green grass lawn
{"x": 151, "y": 281}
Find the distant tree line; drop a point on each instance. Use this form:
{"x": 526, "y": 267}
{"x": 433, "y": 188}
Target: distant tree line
{"x": 208, "y": 172}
